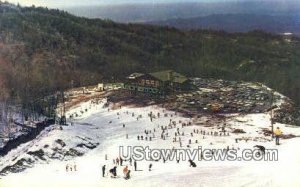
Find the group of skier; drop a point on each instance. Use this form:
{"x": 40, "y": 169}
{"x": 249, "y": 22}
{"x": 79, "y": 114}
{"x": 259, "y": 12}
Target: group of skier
{"x": 150, "y": 135}
{"x": 71, "y": 167}
{"x": 118, "y": 162}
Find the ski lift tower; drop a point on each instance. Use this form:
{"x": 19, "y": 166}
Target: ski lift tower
{"x": 271, "y": 110}
{"x": 62, "y": 109}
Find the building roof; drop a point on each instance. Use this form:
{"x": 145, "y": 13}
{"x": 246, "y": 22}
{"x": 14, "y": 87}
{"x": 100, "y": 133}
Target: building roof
{"x": 135, "y": 75}
{"x": 165, "y": 76}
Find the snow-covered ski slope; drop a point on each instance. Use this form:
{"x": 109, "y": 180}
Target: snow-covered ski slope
{"x": 99, "y": 132}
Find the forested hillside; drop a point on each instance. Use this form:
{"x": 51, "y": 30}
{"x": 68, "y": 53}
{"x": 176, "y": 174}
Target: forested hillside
{"x": 42, "y": 51}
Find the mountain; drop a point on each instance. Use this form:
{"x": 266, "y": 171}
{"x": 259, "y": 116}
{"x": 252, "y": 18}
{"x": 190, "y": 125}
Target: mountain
{"x": 238, "y": 23}
{"x": 44, "y": 50}
{"x": 232, "y": 16}
{"x": 146, "y": 12}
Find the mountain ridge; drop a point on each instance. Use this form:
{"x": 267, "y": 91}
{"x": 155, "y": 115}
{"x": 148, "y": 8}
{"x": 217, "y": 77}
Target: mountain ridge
{"x": 148, "y": 12}
{"x": 237, "y": 23}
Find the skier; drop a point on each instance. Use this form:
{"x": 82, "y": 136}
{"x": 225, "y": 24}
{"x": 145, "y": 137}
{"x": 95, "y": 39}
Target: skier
{"x": 277, "y": 133}
{"x": 130, "y": 161}
{"x": 75, "y": 168}
{"x": 127, "y": 175}
{"x": 125, "y": 171}
{"x": 103, "y": 170}
{"x": 150, "y": 167}
{"x": 135, "y": 165}
{"x": 117, "y": 161}
{"x": 121, "y": 161}
{"x": 192, "y": 164}
{"x": 113, "y": 172}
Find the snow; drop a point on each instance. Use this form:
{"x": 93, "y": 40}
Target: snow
{"x": 105, "y": 127}
{"x": 13, "y": 124}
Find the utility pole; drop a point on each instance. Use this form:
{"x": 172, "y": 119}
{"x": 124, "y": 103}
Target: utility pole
{"x": 272, "y": 113}
{"x": 62, "y": 109}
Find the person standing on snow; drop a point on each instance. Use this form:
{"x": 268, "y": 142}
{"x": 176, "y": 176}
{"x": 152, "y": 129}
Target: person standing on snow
{"x": 75, "y": 168}
{"x": 121, "y": 161}
{"x": 127, "y": 175}
{"x": 103, "y": 170}
{"x": 135, "y": 165}
{"x": 277, "y": 133}
{"x": 113, "y": 172}
{"x": 125, "y": 171}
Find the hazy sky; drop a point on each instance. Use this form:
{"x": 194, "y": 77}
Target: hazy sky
{"x": 60, "y": 3}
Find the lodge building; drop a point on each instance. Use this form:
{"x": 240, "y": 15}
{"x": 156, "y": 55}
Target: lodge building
{"x": 157, "y": 83}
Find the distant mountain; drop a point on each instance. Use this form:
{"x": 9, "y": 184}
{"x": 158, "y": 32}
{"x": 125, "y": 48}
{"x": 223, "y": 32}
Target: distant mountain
{"x": 143, "y": 12}
{"x": 274, "y": 16}
{"x": 238, "y": 23}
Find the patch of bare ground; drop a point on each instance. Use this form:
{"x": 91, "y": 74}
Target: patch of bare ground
{"x": 288, "y": 136}
{"x": 268, "y": 132}
{"x": 119, "y": 98}
{"x": 76, "y": 100}
{"x": 124, "y": 98}
{"x": 238, "y": 131}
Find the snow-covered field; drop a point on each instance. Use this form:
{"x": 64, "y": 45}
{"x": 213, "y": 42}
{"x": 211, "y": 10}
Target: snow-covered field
{"x": 99, "y": 132}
